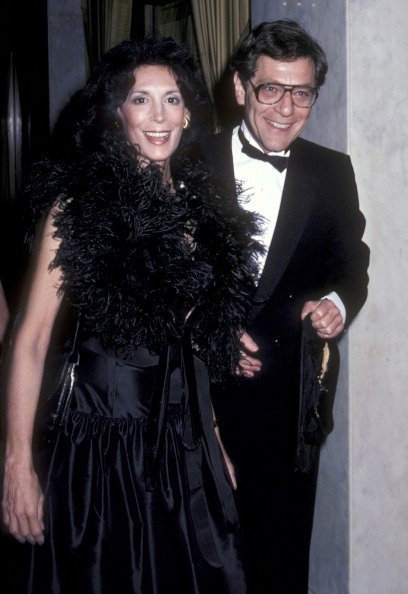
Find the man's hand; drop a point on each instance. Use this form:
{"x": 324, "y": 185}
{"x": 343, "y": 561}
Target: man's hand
{"x": 326, "y": 318}
{"x": 248, "y": 365}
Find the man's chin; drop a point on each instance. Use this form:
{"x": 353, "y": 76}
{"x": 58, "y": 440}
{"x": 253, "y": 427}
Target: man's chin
{"x": 276, "y": 148}
{"x": 276, "y": 145}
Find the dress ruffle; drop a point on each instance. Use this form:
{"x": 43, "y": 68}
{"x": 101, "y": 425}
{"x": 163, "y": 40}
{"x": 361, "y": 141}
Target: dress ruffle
{"x": 180, "y": 536}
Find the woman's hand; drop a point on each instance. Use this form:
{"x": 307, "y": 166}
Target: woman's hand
{"x": 23, "y": 504}
{"x": 228, "y": 464}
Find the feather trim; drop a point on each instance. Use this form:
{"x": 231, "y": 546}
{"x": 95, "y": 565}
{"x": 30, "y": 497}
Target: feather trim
{"x": 136, "y": 257}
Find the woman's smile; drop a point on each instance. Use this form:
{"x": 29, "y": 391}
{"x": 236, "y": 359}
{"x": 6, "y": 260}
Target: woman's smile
{"x": 158, "y": 138}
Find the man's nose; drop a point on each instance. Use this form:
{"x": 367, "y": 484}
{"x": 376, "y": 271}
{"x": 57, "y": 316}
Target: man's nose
{"x": 285, "y": 105}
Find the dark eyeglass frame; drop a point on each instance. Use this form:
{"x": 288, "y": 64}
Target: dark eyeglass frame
{"x": 286, "y": 89}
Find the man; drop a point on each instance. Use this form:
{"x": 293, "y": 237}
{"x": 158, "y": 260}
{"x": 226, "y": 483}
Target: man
{"x": 315, "y": 262}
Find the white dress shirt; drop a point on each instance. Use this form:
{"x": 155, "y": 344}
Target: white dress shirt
{"x": 260, "y": 188}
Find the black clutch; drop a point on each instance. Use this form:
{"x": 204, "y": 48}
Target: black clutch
{"x": 52, "y": 413}
{"x": 319, "y": 366}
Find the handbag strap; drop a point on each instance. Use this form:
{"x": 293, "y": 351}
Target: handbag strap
{"x": 73, "y": 355}
{"x": 73, "y": 360}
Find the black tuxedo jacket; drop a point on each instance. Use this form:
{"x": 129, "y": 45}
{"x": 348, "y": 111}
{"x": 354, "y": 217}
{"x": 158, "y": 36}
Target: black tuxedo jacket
{"x": 316, "y": 248}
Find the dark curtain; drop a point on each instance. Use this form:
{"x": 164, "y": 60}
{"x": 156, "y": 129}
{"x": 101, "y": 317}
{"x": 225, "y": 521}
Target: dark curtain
{"x": 107, "y": 23}
{"x": 172, "y": 19}
{"x": 211, "y": 29}
{"x": 24, "y": 121}
{"x": 219, "y": 25}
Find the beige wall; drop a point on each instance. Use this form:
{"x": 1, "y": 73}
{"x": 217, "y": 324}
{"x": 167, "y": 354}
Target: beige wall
{"x": 378, "y": 143}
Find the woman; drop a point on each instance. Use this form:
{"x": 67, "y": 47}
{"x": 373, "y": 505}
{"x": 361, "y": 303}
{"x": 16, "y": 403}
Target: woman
{"x": 156, "y": 263}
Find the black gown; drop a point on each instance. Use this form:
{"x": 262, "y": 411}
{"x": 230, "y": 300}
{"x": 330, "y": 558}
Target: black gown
{"x": 114, "y": 521}
{"x": 137, "y": 498}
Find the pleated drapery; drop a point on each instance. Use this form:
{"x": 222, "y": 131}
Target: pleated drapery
{"x": 174, "y": 19}
{"x": 219, "y": 25}
{"x": 107, "y": 23}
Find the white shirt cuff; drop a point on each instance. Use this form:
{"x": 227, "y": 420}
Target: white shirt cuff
{"x": 338, "y": 302}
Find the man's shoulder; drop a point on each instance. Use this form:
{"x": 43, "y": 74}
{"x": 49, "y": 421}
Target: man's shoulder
{"x": 313, "y": 152}
{"x": 325, "y": 165}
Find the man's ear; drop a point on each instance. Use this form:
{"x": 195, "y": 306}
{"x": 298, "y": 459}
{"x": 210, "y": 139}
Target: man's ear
{"x": 239, "y": 90}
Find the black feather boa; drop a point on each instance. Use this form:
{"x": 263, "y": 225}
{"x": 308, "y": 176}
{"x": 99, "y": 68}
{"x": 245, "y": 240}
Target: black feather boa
{"x": 136, "y": 257}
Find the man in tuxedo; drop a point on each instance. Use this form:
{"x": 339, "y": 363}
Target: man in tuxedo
{"x": 315, "y": 263}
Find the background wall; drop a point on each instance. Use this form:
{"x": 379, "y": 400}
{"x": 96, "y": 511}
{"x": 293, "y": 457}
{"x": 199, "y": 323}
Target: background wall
{"x": 67, "y": 53}
{"x": 378, "y": 140}
{"x": 360, "y": 541}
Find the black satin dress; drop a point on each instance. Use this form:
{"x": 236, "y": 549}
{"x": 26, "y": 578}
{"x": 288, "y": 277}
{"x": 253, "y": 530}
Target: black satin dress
{"x": 137, "y": 496}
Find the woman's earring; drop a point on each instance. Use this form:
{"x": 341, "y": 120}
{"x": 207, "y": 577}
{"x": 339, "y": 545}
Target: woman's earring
{"x": 186, "y": 123}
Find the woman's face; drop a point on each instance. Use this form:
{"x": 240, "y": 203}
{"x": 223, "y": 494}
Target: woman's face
{"x": 152, "y": 114}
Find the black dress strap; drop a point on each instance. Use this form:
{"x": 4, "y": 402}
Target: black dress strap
{"x": 197, "y": 432}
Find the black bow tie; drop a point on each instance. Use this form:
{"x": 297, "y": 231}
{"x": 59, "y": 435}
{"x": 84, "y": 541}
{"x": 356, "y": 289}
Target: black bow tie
{"x": 280, "y": 163}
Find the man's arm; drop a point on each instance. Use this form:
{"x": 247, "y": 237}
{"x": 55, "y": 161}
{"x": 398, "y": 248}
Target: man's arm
{"x": 347, "y": 254}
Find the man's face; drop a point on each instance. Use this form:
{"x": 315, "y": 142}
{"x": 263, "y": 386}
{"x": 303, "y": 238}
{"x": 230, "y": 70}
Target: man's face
{"x": 275, "y": 126}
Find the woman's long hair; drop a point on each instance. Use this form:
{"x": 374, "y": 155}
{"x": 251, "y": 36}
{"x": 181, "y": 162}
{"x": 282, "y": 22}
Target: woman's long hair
{"x": 90, "y": 121}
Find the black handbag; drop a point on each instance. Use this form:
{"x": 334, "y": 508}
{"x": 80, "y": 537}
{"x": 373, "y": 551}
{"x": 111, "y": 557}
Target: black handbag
{"x": 319, "y": 366}
{"x": 52, "y": 414}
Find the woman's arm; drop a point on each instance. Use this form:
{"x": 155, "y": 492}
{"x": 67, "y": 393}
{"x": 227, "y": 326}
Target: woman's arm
{"x": 4, "y": 314}
{"x": 22, "y": 496}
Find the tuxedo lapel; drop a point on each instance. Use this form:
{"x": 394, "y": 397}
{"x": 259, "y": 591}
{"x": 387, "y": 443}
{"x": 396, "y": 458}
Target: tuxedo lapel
{"x": 297, "y": 200}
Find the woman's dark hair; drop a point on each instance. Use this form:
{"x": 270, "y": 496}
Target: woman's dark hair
{"x": 283, "y": 40}
{"x": 90, "y": 120}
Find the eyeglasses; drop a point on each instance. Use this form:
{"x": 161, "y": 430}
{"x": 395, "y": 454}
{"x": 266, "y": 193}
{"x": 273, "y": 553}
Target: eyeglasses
{"x": 270, "y": 93}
